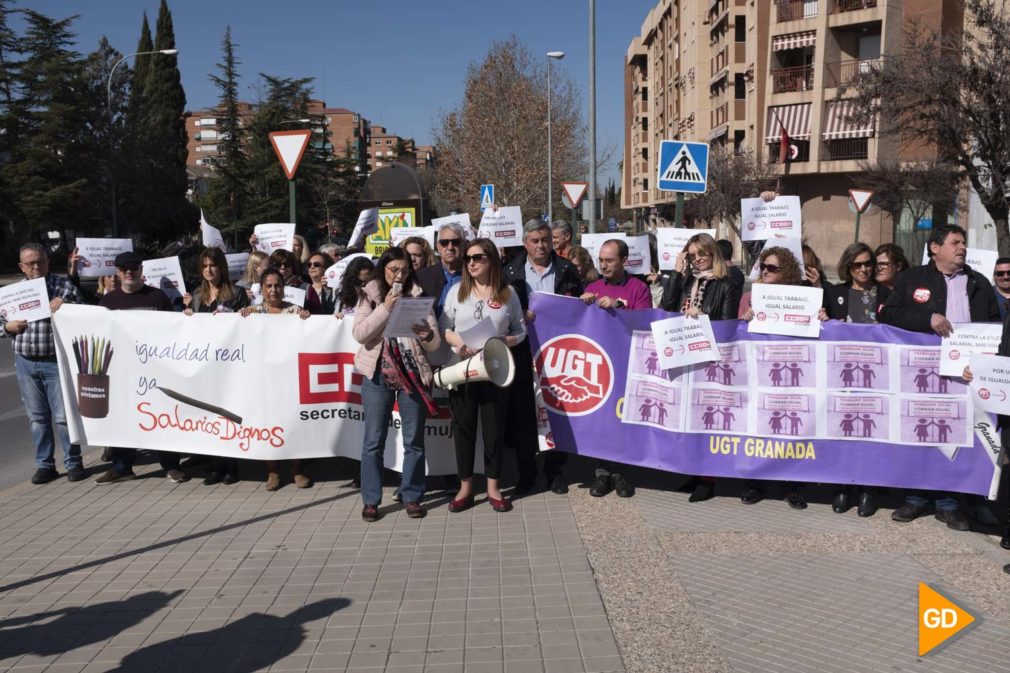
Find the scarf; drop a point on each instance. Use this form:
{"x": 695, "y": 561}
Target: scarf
{"x": 400, "y": 371}
{"x": 693, "y": 300}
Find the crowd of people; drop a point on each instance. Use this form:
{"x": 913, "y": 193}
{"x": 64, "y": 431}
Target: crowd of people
{"x": 471, "y": 280}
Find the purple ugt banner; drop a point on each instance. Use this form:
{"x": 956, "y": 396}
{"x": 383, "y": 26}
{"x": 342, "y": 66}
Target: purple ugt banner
{"x": 864, "y": 404}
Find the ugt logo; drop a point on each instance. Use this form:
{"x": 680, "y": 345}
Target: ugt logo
{"x": 576, "y": 375}
{"x": 325, "y": 378}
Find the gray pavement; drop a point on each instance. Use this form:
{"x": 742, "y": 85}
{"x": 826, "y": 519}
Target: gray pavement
{"x": 16, "y": 452}
{"x": 154, "y": 576}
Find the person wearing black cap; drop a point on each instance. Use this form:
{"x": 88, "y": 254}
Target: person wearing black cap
{"x": 134, "y": 295}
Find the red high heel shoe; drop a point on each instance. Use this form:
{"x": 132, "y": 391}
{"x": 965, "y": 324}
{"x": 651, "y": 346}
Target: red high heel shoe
{"x": 461, "y": 505}
{"x": 502, "y": 505}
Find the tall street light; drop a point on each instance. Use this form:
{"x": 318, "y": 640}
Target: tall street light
{"x": 550, "y": 192}
{"x": 108, "y": 92}
{"x": 592, "y": 116}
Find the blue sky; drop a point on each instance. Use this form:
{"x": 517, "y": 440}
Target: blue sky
{"x": 397, "y": 62}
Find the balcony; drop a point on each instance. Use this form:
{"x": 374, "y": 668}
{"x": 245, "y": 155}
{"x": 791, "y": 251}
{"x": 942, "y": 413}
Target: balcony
{"x": 799, "y": 78}
{"x": 839, "y": 6}
{"x": 846, "y": 148}
{"x": 802, "y": 152}
{"x": 841, "y": 73}
{"x": 793, "y": 10}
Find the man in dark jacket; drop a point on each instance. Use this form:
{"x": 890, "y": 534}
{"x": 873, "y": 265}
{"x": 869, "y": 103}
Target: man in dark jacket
{"x": 929, "y": 299}
{"x": 538, "y": 269}
{"x": 437, "y": 279}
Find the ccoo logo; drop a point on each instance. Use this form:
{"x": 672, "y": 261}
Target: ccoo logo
{"x": 576, "y": 375}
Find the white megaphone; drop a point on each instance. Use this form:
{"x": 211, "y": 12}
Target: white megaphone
{"x": 493, "y": 363}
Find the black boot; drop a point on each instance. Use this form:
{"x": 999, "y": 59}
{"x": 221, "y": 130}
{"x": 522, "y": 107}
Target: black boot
{"x": 867, "y": 503}
{"x": 840, "y": 504}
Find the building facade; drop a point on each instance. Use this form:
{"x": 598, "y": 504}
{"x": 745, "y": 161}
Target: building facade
{"x": 735, "y": 73}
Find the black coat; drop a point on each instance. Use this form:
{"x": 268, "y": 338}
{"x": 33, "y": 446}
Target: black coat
{"x": 566, "y": 277}
{"x": 721, "y": 300}
{"x": 836, "y": 300}
{"x": 921, "y": 291}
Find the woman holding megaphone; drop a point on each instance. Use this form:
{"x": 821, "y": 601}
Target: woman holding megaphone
{"x": 482, "y": 295}
{"x": 393, "y": 371}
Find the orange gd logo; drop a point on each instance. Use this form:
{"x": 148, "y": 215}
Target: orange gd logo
{"x": 939, "y": 619}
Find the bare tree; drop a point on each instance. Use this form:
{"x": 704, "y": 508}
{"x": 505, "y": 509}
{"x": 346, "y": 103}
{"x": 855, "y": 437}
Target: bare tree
{"x": 947, "y": 92}
{"x": 913, "y": 186}
{"x": 731, "y": 176}
{"x": 498, "y": 134}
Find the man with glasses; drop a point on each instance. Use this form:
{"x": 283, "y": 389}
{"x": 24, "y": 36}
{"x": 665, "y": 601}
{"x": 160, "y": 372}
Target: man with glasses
{"x": 1001, "y": 285}
{"x": 615, "y": 290}
{"x": 537, "y": 269}
{"x": 929, "y": 299}
{"x": 436, "y": 280}
{"x": 38, "y": 376}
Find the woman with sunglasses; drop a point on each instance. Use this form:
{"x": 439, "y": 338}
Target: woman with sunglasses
{"x": 778, "y": 267}
{"x": 290, "y": 269}
{"x": 316, "y": 268}
{"x": 700, "y": 282}
{"x": 395, "y": 371}
{"x": 858, "y": 299}
{"x": 482, "y": 294}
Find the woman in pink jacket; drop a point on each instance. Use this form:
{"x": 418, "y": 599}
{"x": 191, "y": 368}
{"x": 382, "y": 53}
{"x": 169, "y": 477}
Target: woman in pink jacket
{"x": 394, "y": 371}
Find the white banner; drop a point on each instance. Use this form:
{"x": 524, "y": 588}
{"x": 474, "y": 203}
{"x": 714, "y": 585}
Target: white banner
{"x": 172, "y": 382}
{"x": 967, "y": 340}
{"x": 98, "y": 255}
{"x": 790, "y": 310}
{"x": 778, "y": 218}
{"x": 270, "y": 237}
{"x": 671, "y": 242}
{"x": 990, "y": 384}
{"x": 165, "y": 274}
{"x": 503, "y": 226}
{"x": 26, "y": 300}
{"x": 684, "y": 341}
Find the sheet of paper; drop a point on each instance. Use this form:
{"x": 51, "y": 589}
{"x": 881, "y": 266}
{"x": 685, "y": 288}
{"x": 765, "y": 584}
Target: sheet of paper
{"x": 639, "y": 256}
{"x": 26, "y": 300}
{"x": 793, "y": 245}
{"x": 779, "y": 218}
{"x": 278, "y": 236}
{"x": 967, "y": 340}
{"x": 335, "y": 274}
{"x": 165, "y": 274}
{"x": 237, "y": 262}
{"x": 672, "y": 240}
{"x": 990, "y": 384}
{"x": 683, "y": 341}
{"x": 477, "y": 336}
{"x": 790, "y": 310}
{"x": 503, "y": 226}
{"x": 367, "y": 224}
{"x": 98, "y": 255}
{"x": 212, "y": 237}
{"x": 295, "y": 295}
{"x": 398, "y": 235}
{"x": 462, "y": 219}
{"x": 407, "y": 312}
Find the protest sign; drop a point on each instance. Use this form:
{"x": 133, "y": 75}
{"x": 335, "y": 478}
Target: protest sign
{"x": 461, "y": 219}
{"x": 212, "y": 237}
{"x": 97, "y": 255}
{"x": 503, "y": 226}
{"x": 237, "y": 262}
{"x": 990, "y": 384}
{"x": 335, "y": 274}
{"x": 789, "y": 310}
{"x": 966, "y": 341}
{"x": 978, "y": 259}
{"x": 793, "y": 245}
{"x": 26, "y": 300}
{"x": 639, "y": 255}
{"x": 279, "y": 236}
{"x": 367, "y": 224}
{"x": 165, "y": 274}
{"x": 683, "y": 341}
{"x": 778, "y": 218}
{"x": 671, "y": 241}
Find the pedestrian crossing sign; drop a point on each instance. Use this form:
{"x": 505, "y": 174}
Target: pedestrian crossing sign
{"x": 683, "y": 167}
{"x": 486, "y": 197}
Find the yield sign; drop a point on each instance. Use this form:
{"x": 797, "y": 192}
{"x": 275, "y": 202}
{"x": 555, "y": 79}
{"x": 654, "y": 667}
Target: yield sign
{"x": 290, "y": 147}
{"x": 861, "y": 198}
{"x": 575, "y": 191}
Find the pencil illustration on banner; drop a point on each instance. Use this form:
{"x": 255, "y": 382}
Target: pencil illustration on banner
{"x": 93, "y": 356}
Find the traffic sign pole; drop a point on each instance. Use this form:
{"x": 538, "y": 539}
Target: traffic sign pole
{"x": 678, "y": 213}
{"x": 291, "y": 201}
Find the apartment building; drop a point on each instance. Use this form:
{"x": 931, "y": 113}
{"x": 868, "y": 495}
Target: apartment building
{"x": 734, "y": 73}
{"x": 385, "y": 147}
{"x": 349, "y": 133}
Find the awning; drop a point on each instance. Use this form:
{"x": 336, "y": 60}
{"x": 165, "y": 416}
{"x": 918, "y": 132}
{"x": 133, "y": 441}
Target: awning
{"x": 718, "y": 76}
{"x": 718, "y": 131}
{"x": 796, "y": 119}
{"x": 838, "y": 125}
{"x": 794, "y": 40}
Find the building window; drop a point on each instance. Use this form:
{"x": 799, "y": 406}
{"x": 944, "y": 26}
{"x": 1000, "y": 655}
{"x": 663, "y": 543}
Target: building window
{"x": 738, "y": 138}
{"x": 645, "y": 184}
{"x": 645, "y": 94}
{"x": 645, "y": 123}
{"x": 740, "y": 86}
{"x": 740, "y": 29}
{"x": 389, "y": 141}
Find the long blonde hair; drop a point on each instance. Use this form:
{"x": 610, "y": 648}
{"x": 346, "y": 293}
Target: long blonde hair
{"x": 708, "y": 245}
{"x": 250, "y": 277}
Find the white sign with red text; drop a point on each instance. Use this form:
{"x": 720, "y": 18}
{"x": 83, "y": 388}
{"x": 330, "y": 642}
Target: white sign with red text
{"x": 968, "y": 339}
{"x": 990, "y": 384}
{"x": 196, "y": 383}
{"x": 279, "y": 236}
{"x": 683, "y": 341}
{"x": 778, "y": 218}
{"x": 27, "y": 300}
{"x": 98, "y": 255}
{"x": 504, "y": 226}
{"x": 790, "y": 310}
{"x": 639, "y": 257}
{"x": 165, "y": 274}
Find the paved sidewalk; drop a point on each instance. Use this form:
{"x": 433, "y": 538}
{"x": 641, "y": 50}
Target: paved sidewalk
{"x": 153, "y": 576}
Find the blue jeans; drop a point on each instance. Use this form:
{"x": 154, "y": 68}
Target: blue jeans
{"x": 39, "y": 382}
{"x": 945, "y": 502}
{"x": 378, "y": 401}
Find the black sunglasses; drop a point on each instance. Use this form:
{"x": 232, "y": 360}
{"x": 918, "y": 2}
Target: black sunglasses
{"x": 479, "y": 257}
{"x": 770, "y": 268}
{"x": 446, "y": 242}
{"x": 865, "y": 265}
{"x": 314, "y": 265}
{"x": 1000, "y": 274}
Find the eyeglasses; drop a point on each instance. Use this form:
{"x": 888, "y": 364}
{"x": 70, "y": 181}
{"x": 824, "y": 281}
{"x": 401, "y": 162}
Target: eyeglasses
{"x": 288, "y": 265}
{"x": 446, "y": 242}
{"x": 316, "y": 265}
{"x": 865, "y": 265}
{"x": 1001, "y": 274}
{"x": 700, "y": 255}
{"x": 35, "y": 262}
{"x": 884, "y": 265}
{"x": 770, "y": 268}
{"x": 480, "y": 258}
{"x": 397, "y": 270}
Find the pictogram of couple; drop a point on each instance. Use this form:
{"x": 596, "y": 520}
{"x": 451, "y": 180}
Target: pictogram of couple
{"x": 778, "y": 370}
{"x": 715, "y": 369}
{"x": 930, "y": 377}
{"x": 709, "y": 417}
{"x": 777, "y": 418}
{"x": 848, "y": 375}
{"x": 848, "y": 424}
{"x": 924, "y": 428}
{"x": 645, "y": 411}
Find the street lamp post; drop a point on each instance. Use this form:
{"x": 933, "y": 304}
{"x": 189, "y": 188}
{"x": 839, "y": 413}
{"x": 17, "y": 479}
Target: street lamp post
{"x": 592, "y": 116}
{"x": 550, "y": 191}
{"x": 108, "y": 93}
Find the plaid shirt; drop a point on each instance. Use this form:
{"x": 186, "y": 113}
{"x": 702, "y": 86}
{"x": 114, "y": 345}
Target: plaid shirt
{"x": 37, "y": 341}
